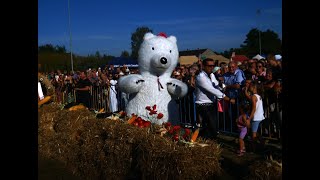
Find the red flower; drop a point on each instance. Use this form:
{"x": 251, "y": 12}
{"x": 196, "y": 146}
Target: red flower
{"x": 160, "y": 115}
{"x": 167, "y": 124}
{"x": 175, "y": 137}
{"x": 176, "y": 128}
{"x": 148, "y": 108}
{"x": 146, "y": 123}
{"x": 187, "y": 131}
{"x": 152, "y": 112}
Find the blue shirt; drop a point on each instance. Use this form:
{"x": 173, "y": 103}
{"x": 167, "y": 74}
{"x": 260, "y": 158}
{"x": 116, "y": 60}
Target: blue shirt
{"x": 231, "y": 79}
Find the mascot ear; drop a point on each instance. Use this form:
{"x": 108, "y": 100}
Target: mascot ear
{"x": 172, "y": 39}
{"x": 148, "y": 35}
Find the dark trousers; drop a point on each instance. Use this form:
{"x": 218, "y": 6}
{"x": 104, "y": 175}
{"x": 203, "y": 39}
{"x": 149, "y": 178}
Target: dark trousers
{"x": 208, "y": 117}
{"x": 84, "y": 98}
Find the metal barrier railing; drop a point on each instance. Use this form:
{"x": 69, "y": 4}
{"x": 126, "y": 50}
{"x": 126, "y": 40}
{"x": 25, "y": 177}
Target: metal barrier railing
{"x": 226, "y": 120}
{"x": 100, "y": 98}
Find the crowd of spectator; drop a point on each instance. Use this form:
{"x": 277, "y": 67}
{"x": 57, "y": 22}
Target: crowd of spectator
{"x": 266, "y": 72}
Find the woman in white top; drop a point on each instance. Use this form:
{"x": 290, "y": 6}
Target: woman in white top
{"x": 113, "y": 96}
{"x": 257, "y": 113}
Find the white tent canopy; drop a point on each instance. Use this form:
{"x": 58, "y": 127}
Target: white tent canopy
{"x": 258, "y": 57}
{"x": 278, "y": 56}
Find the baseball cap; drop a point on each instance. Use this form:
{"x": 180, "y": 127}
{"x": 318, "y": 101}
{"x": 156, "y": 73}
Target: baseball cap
{"x": 215, "y": 69}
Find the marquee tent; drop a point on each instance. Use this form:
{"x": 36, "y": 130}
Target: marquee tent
{"x": 187, "y": 60}
{"x": 120, "y": 61}
{"x": 220, "y": 58}
{"x": 258, "y": 57}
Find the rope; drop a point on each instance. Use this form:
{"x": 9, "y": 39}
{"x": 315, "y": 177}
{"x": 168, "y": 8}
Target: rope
{"x": 159, "y": 84}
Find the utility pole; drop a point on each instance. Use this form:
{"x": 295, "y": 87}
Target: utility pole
{"x": 70, "y": 37}
{"x": 258, "y": 13}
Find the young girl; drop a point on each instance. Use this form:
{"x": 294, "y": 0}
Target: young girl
{"x": 257, "y": 113}
{"x": 242, "y": 123}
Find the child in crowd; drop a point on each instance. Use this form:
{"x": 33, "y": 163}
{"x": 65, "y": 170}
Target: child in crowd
{"x": 257, "y": 112}
{"x": 243, "y": 125}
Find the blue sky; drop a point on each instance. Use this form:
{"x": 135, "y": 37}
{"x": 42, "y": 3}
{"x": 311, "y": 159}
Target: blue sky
{"x": 106, "y": 25}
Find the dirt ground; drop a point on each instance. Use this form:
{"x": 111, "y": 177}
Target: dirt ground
{"x": 49, "y": 169}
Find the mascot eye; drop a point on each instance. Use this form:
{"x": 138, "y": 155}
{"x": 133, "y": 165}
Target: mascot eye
{"x": 170, "y": 51}
{"x": 152, "y": 48}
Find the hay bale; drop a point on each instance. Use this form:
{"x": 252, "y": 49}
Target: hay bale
{"x": 161, "y": 158}
{"x": 106, "y": 149}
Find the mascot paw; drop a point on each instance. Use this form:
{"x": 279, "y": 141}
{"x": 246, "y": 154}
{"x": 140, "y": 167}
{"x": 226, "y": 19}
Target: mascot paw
{"x": 131, "y": 83}
{"x": 139, "y": 81}
{"x": 136, "y": 81}
{"x": 173, "y": 88}
{"x": 177, "y": 88}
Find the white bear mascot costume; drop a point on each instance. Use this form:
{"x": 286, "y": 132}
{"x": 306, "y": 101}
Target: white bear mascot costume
{"x": 158, "y": 57}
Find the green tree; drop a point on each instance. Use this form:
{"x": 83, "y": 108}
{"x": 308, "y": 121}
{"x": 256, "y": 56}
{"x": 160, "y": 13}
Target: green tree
{"x": 124, "y": 54}
{"x": 60, "y": 49}
{"x": 97, "y": 55}
{"x": 52, "y": 49}
{"x": 51, "y": 58}
{"x": 270, "y": 42}
{"x": 46, "y": 48}
{"x": 137, "y": 39}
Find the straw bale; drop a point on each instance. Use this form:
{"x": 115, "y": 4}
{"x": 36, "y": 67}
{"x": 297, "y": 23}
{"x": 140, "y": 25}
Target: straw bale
{"x": 265, "y": 169}
{"x": 95, "y": 148}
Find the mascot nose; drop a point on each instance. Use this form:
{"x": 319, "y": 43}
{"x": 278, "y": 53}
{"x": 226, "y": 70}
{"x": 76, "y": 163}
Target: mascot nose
{"x": 163, "y": 60}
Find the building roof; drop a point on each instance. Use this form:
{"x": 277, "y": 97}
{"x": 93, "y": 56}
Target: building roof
{"x": 220, "y": 58}
{"x": 186, "y": 60}
{"x": 196, "y": 52}
{"x": 239, "y": 58}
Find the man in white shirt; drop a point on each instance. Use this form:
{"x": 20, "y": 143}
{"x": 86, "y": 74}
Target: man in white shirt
{"x": 206, "y": 104}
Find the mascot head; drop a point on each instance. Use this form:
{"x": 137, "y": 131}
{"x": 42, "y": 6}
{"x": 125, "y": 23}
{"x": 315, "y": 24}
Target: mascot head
{"x": 158, "y": 54}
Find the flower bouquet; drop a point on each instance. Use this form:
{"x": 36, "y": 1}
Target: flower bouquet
{"x": 166, "y": 129}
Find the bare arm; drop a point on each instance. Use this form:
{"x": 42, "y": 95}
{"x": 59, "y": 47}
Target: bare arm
{"x": 229, "y": 99}
{"x": 235, "y": 86}
{"x": 245, "y": 120}
{"x": 248, "y": 96}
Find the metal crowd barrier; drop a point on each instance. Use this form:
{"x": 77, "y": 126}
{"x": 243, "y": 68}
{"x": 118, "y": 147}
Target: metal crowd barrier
{"x": 226, "y": 120}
